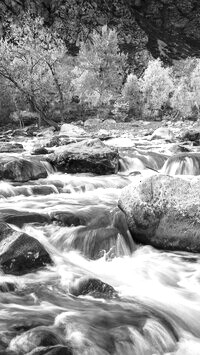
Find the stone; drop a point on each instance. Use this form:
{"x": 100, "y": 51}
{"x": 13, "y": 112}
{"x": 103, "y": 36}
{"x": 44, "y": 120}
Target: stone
{"x": 191, "y": 135}
{"x": 37, "y": 337}
{"x": 67, "y": 218}
{"x": 177, "y": 148}
{"x": 21, "y": 170}
{"x": 11, "y": 147}
{"x": 71, "y": 130}
{"x": 92, "y": 122}
{"x": 91, "y": 286}
{"x": 164, "y": 211}
{"x": 39, "y": 151}
{"x": 19, "y": 252}
{"x": 52, "y": 350}
{"x": 163, "y": 133}
{"x": 89, "y": 156}
{"x": 19, "y": 218}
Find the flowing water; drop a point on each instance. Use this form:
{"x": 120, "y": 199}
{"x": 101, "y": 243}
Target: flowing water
{"x": 157, "y": 310}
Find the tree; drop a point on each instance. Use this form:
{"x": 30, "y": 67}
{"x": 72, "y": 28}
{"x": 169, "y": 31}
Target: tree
{"x": 186, "y": 96}
{"x": 156, "y": 85}
{"x": 100, "y": 68}
{"x": 29, "y": 59}
{"x": 131, "y": 93}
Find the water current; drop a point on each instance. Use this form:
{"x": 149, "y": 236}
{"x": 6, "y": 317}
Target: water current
{"x": 157, "y": 310}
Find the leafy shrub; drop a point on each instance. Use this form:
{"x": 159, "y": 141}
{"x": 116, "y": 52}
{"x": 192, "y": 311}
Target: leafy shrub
{"x": 100, "y": 68}
{"x": 156, "y": 85}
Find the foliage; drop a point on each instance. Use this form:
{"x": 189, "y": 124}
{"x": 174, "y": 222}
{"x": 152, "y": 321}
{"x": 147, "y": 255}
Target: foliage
{"x": 100, "y": 68}
{"x": 156, "y": 85}
{"x": 131, "y": 93}
{"x": 186, "y": 96}
{"x": 30, "y": 56}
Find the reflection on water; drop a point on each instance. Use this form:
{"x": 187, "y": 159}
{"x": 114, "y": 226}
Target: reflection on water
{"x": 157, "y": 310}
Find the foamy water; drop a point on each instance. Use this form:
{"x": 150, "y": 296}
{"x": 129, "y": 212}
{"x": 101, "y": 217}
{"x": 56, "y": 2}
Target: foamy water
{"x": 158, "y": 308}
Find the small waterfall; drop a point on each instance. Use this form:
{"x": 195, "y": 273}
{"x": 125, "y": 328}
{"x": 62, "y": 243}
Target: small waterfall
{"x": 137, "y": 161}
{"x": 182, "y": 164}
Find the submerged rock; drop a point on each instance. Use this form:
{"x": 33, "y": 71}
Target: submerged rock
{"x": 164, "y": 211}
{"x": 89, "y": 156}
{"x": 93, "y": 287}
{"x": 37, "y": 337}
{"x": 39, "y": 151}
{"x": 182, "y": 164}
{"x": 52, "y": 350}
{"x": 19, "y": 252}
{"x": 20, "y": 217}
{"x": 10, "y": 147}
{"x": 19, "y": 169}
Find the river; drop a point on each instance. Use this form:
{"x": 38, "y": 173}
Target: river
{"x": 157, "y": 310}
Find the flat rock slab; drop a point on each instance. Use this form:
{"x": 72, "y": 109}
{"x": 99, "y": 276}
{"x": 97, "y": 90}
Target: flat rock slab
{"x": 89, "y": 156}
{"x": 164, "y": 211}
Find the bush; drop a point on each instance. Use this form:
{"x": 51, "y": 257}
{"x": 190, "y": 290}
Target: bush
{"x": 100, "y": 68}
{"x": 156, "y": 85}
{"x": 131, "y": 94}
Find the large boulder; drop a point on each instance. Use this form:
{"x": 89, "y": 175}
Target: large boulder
{"x": 19, "y": 169}
{"x": 19, "y": 252}
{"x": 164, "y": 211}
{"x": 89, "y": 156}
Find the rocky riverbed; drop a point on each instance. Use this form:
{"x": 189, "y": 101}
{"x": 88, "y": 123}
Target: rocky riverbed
{"x": 99, "y": 239}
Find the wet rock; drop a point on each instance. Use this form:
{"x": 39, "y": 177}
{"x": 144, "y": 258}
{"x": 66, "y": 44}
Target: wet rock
{"x": 54, "y": 142}
{"x": 37, "y": 337}
{"x": 11, "y": 147}
{"x": 39, "y": 151}
{"x": 67, "y": 218}
{"x": 163, "y": 133}
{"x": 19, "y": 132}
{"x": 89, "y": 156}
{"x": 19, "y": 218}
{"x": 7, "y": 287}
{"x": 176, "y": 148}
{"x": 164, "y": 211}
{"x": 182, "y": 164}
{"x": 191, "y": 135}
{"x": 71, "y": 130}
{"x": 91, "y": 286}
{"x": 52, "y": 350}
{"x": 43, "y": 190}
{"x": 19, "y": 252}
{"x": 19, "y": 169}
